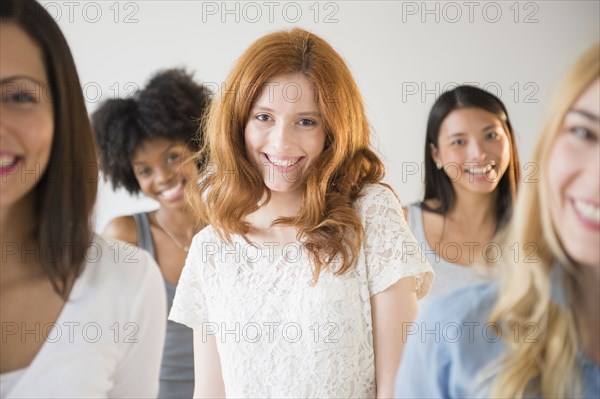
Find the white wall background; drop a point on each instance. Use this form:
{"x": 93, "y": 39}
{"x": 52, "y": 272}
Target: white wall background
{"x": 402, "y": 54}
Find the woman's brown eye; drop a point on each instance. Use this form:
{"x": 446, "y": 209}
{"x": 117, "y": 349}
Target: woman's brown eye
{"x": 262, "y": 117}
{"x": 20, "y": 98}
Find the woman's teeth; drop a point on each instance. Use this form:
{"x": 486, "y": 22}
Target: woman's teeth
{"x": 283, "y": 163}
{"x": 7, "y": 160}
{"x": 172, "y": 192}
{"x": 587, "y": 211}
{"x": 481, "y": 171}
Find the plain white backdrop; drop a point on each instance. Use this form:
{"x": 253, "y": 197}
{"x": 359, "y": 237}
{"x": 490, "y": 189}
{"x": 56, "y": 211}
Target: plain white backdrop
{"x": 403, "y": 54}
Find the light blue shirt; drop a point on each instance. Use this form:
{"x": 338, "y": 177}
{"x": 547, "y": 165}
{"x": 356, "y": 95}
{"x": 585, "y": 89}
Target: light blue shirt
{"x": 451, "y": 345}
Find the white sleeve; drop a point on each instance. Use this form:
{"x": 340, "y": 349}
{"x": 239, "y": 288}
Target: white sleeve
{"x": 189, "y": 305}
{"x": 138, "y": 372}
{"x": 391, "y": 251}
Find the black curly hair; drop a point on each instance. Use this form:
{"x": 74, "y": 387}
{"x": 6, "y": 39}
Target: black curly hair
{"x": 170, "y": 106}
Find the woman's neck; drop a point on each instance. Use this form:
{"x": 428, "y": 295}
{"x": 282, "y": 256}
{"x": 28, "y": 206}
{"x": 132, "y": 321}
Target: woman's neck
{"x": 474, "y": 210}
{"x": 181, "y": 221}
{"x": 280, "y": 205}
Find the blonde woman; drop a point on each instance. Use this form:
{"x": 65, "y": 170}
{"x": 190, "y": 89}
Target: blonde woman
{"x": 535, "y": 331}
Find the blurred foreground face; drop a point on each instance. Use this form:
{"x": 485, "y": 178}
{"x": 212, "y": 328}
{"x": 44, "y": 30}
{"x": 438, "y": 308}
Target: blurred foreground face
{"x": 574, "y": 179}
{"x": 26, "y": 115}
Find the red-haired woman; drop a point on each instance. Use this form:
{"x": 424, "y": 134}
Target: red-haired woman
{"x": 301, "y": 283}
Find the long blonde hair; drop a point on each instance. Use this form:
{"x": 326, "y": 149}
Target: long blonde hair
{"x": 232, "y": 186}
{"x": 545, "y": 364}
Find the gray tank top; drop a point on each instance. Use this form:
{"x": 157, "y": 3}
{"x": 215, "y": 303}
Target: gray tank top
{"x": 448, "y": 276}
{"x": 177, "y": 368}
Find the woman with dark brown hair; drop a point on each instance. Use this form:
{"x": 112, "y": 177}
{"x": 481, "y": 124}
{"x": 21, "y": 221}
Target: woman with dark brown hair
{"x": 81, "y": 316}
{"x": 471, "y": 180}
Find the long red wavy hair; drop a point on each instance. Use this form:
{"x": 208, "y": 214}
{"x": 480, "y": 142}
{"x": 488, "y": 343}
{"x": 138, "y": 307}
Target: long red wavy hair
{"x": 231, "y": 186}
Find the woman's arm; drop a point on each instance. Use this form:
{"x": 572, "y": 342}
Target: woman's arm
{"x": 207, "y": 367}
{"x": 122, "y": 228}
{"x": 391, "y": 310}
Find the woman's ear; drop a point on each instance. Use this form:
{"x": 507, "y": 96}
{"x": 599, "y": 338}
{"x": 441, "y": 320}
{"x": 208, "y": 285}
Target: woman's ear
{"x": 435, "y": 153}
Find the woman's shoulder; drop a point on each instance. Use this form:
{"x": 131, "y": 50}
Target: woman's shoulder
{"x": 206, "y": 243}
{"x": 122, "y": 228}
{"x": 471, "y": 304}
{"x": 206, "y": 234}
{"x": 115, "y": 263}
{"x": 457, "y": 326}
{"x": 377, "y": 189}
{"x": 379, "y": 193}
{"x": 451, "y": 343}
{"x": 122, "y": 282}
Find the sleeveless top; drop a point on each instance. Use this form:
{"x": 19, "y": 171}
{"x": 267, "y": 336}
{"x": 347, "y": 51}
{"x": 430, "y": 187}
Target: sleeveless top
{"x": 448, "y": 276}
{"x": 177, "y": 368}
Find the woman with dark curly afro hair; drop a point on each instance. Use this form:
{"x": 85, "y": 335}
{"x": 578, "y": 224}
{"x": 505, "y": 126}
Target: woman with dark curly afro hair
{"x": 147, "y": 144}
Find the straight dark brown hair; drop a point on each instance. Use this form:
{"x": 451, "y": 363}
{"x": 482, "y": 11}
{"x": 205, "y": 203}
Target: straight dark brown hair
{"x": 437, "y": 184}
{"x": 65, "y": 194}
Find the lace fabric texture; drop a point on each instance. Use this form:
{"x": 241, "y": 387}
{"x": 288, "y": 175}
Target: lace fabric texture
{"x": 277, "y": 333}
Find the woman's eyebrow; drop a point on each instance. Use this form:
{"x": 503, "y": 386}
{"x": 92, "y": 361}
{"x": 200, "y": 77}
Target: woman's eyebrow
{"x": 15, "y": 78}
{"x": 585, "y": 114}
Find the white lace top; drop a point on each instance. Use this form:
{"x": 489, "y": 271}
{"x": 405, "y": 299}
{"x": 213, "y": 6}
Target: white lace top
{"x": 279, "y": 335}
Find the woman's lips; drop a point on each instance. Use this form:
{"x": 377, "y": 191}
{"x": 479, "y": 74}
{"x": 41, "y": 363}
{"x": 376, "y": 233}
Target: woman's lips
{"x": 8, "y": 163}
{"x": 588, "y": 213}
{"x": 282, "y": 163}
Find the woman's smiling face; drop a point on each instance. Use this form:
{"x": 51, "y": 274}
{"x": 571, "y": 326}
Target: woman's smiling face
{"x": 27, "y": 122}
{"x": 574, "y": 179}
{"x": 163, "y": 167}
{"x": 284, "y": 134}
